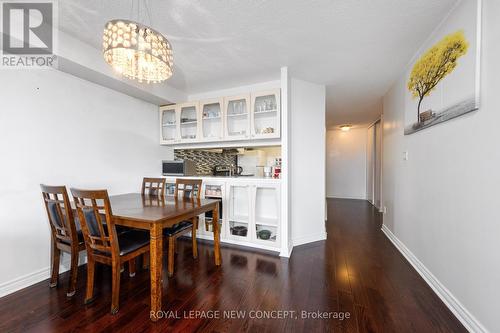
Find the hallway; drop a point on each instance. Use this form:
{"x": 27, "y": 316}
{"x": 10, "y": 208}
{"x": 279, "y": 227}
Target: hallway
{"x": 373, "y": 280}
{"x": 357, "y": 270}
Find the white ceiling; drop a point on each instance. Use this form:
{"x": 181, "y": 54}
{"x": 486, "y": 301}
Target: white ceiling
{"x": 355, "y": 47}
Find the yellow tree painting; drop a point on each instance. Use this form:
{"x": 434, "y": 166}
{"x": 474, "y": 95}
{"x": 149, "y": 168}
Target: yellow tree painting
{"x": 434, "y": 65}
{"x": 444, "y": 78}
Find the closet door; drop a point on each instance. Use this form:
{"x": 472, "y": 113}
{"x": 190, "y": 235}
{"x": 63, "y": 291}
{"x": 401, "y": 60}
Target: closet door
{"x": 370, "y": 164}
{"x": 378, "y": 165}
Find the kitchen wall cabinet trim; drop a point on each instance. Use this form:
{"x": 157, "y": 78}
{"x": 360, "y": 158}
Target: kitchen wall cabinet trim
{"x": 244, "y": 118}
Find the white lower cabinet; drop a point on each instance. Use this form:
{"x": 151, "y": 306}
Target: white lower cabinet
{"x": 249, "y": 213}
{"x": 254, "y": 214}
{"x": 266, "y": 214}
{"x": 212, "y": 190}
{"x": 239, "y": 203}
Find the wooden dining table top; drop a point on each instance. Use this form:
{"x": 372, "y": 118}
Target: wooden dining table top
{"x": 146, "y": 208}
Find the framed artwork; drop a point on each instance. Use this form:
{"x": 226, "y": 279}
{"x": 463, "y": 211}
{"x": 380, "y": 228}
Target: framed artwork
{"x": 443, "y": 80}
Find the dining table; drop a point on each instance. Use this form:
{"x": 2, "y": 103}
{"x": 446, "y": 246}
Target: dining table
{"x": 155, "y": 213}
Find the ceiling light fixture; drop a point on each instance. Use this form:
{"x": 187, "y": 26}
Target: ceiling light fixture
{"x": 345, "y": 127}
{"x": 137, "y": 51}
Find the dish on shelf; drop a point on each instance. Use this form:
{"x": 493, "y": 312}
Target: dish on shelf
{"x": 192, "y": 136}
{"x": 264, "y": 234}
{"x": 267, "y": 130}
{"x": 239, "y": 231}
{"x": 187, "y": 120}
{"x": 209, "y": 225}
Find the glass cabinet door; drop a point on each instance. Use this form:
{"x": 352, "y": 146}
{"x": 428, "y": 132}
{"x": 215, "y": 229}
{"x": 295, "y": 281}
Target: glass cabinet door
{"x": 212, "y": 119}
{"x": 237, "y": 117}
{"x": 266, "y": 212}
{"x": 168, "y": 121}
{"x": 266, "y": 114}
{"x": 189, "y": 122}
{"x": 238, "y": 209}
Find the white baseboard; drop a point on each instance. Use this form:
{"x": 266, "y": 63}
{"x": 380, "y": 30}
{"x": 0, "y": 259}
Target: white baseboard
{"x": 29, "y": 279}
{"x": 344, "y": 197}
{"x": 457, "y": 308}
{"x": 24, "y": 281}
{"x": 287, "y": 253}
{"x": 308, "y": 239}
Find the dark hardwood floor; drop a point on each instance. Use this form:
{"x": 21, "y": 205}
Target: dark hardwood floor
{"x": 357, "y": 270}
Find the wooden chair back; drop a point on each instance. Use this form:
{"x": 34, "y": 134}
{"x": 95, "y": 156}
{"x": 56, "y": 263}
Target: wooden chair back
{"x": 153, "y": 186}
{"x": 188, "y": 188}
{"x": 60, "y": 213}
{"x": 94, "y": 211}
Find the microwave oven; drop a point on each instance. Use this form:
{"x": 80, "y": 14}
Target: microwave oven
{"x": 178, "y": 168}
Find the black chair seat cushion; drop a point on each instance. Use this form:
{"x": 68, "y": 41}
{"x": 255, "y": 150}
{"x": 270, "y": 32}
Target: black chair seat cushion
{"x": 132, "y": 240}
{"x": 179, "y": 227}
{"x": 79, "y": 232}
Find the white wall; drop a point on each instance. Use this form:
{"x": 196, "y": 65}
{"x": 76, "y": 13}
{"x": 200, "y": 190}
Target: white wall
{"x": 58, "y": 129}
{"x": 307, "y": 161}
{"x": 346, "y": 163}
{"x": 443, "y": 202}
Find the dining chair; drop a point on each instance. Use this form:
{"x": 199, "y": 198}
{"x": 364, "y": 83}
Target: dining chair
{"x": 66, "y": 233}
{"x": 103, "y": 243}
{"x": 186, "y": 188}
{"x": 153, "y": 186}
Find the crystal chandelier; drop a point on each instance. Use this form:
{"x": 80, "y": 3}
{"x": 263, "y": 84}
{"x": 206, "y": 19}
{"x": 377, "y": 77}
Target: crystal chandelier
{"x": 137, "y": 51}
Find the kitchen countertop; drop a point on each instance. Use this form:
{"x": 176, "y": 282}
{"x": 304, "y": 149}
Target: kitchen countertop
{"x": 232, "y": 178}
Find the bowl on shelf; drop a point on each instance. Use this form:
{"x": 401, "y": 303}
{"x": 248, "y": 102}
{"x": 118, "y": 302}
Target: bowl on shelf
{"x": 264, "y": 234}
{"x": 239, "y": 231}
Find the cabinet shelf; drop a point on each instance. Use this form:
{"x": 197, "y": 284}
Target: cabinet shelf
{"x": 239, "y": 219}
{"x": 189, "y": 122}
{"x": 269, "y": 222}
{"x": 237, "y": 114}
{"x": 169, "y": 125}
{"x": 211, "y": 118}
{"x": 265, "y": 111}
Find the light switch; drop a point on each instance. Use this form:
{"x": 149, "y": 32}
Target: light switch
{"x": 405, "y": 156}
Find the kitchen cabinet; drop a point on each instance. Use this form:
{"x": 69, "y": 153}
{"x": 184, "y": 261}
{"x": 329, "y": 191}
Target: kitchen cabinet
{"x": 188, "y": 122}
{"x": 255, "y": 207}
{"x": 265, "y": 114}
{"x": 169, "y": 130}
{"x": 212, "y": 119}
{"x": 252, "y": 116}
{"x": 239, "y": 209}
{"x": 266, "y": 214}
{"x": 213, "y": 190}
{"x": 237, "y": 117}
{"x": 251, "y": 205}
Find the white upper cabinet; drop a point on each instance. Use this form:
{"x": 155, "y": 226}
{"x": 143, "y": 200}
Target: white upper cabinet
{"x": 189, "y": 124}
{"x": 237, "y": 112}
{"x": 169, "y": 130}
{"x": 266, "y": 114}
{"x": 252, "y": 116}
{"x": 212, "y": 119}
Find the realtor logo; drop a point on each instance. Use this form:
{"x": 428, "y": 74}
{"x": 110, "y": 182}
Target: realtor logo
{"x": 28, "y": 33}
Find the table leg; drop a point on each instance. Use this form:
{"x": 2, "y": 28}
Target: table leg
{"x": 215, "y": 222}
{"x": 155, "y": 267}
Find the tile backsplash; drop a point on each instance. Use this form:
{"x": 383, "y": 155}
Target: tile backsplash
{"x": 205, "y": 160}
